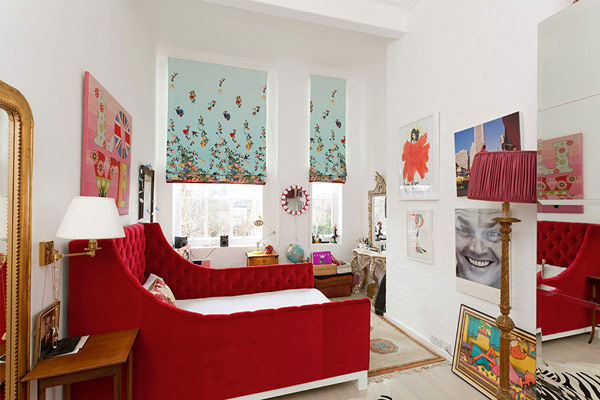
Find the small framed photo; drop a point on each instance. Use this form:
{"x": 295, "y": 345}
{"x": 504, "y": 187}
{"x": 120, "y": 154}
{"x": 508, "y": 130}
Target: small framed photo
{"x": 419, "y": 242}
{"x": 46, "y": 329}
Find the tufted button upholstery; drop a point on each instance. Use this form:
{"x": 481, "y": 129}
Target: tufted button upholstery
{"x": 559, "y": 242}
{"x": 132, "y": 249}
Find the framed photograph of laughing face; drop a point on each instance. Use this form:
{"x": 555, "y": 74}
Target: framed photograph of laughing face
{"x": 478, "y": 249}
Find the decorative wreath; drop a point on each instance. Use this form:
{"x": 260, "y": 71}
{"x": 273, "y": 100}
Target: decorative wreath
{"x": 284, "y": 200}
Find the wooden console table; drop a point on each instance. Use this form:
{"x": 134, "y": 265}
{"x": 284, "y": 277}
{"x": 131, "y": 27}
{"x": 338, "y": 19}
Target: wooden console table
{"x": 366, "y": 260}
{"x": 102, "y": 355}
{"x": 261, "y": 259}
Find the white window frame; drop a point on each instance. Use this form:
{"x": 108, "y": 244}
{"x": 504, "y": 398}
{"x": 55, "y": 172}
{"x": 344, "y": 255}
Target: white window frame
{"x": 336, "y": 210}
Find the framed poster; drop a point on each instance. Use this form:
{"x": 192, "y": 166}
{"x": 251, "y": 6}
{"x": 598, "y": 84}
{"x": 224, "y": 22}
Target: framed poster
{"x": 560, "y": 172}
{"x": 419, "y": 236}
{"x": 477, "y": 356}
{"x": 146, "y": 194}
{"x": 46, "y": 329}
{"x": 419, "y": 172}
{"x": 106, "y": 156}
{"x": 500, "y": 134}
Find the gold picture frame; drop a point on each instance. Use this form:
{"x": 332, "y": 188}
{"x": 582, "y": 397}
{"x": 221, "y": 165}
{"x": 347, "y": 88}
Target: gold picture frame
{"x": 46, "y": 320}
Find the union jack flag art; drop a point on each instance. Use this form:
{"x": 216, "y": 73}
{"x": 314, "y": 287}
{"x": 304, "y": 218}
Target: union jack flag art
{"x": 122, "y": 128}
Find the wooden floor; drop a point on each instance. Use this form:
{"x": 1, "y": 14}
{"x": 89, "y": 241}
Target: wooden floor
{"x": 572, "y": 349}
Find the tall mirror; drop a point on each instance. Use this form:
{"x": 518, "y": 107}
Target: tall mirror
{"x": 377, "y": 211}
{"x": 16, "y": 136}
{"x": 568, "y": 229}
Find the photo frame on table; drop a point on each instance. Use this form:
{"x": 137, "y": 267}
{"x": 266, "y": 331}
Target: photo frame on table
{"x": 146, "y": 194}
{"x": 419, "y": 159}
{"x": 419, "y": 235}
{"x": 477, "y": 354}
{"x": 46, "y": 325}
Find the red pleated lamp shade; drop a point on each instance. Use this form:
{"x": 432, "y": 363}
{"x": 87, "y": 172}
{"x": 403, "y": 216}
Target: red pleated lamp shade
{"x": 504, "y": 176}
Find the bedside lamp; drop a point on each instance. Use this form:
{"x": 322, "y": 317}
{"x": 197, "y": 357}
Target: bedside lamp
{"x": 258, "y": 223}
{"x": 87, "y": 218}
{"x": 506, "y": 176}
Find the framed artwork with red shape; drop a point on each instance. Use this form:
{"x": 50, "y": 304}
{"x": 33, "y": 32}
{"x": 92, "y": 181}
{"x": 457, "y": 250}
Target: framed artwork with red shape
{"x": 106, "y": 153}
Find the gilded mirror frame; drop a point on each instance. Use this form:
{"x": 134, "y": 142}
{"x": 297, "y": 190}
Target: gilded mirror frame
{"x": 379, "y": 190}
{"x": 19, "y": 240}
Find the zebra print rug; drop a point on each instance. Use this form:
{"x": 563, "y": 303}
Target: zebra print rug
{"x": 572, "y": 384}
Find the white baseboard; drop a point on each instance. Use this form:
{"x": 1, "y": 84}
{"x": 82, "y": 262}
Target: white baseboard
{"x": 561, "y": 335}
{"x": 400, "y": 325}
{"x": 360, "y": 378}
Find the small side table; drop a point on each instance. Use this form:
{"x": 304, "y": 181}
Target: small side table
{"x": 261, "y": 259}
{"x": 595, "y": 281}
{"x": 102, "y": 355}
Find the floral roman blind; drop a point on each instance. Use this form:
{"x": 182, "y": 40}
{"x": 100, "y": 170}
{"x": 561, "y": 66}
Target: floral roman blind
{"x": 328, "y": 129}
{"x": 217, "y": 119}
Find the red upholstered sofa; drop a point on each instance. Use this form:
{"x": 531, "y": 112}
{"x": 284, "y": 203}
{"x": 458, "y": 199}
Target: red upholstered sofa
{"x": 575, "y": 246}
{"x": 184, "y": 355}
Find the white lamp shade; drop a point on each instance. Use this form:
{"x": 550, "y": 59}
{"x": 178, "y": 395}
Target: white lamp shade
{"x": 91, "y": 218}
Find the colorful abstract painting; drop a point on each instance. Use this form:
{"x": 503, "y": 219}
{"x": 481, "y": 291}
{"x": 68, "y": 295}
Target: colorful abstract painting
{"x": 418, "y": 150}
{"x": 216, "y": 129}
{"x": 106, "y": 158}
{"x": 560, "y": 172}
{"x": 477, "y": 356}
{"x": 327, "y": 129}
{"x": 419, "y": 244}
{"x": 501, "y": 134}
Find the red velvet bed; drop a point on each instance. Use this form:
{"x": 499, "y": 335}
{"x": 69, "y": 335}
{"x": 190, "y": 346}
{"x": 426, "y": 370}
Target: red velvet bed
{"x": 184, "y": 355}
{"x": 576, "y": 247}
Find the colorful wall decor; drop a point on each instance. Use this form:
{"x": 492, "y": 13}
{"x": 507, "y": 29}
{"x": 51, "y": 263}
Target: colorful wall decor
{"x": 217, "y": 123}
{"x": 502, "y": 134}
{"x": 560, "y": 172}
{"x": 419, "y": 235}
{"x": 418, "y": 160}
{"x": 477, "y": 355}
{"x": 328, "y": 129}
{"x": 106, "y": 158}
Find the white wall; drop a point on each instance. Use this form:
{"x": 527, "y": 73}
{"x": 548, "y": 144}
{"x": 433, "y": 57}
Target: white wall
{"x": 46, "y": 47}
{"x": 290, "y": 50}
{"x": 472, "y": 60}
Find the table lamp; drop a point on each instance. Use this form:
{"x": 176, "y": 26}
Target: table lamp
{"x": 258, "y": 223}
{"x": 87, "y": 218}
{"x": 509, "y": 177}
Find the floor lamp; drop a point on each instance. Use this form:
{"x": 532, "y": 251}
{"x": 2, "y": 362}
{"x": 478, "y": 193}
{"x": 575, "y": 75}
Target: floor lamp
{"x": 509, "y": 177}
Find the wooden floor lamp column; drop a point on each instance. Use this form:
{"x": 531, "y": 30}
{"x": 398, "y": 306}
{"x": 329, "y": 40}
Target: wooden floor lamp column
{"x": 506, "y": 176}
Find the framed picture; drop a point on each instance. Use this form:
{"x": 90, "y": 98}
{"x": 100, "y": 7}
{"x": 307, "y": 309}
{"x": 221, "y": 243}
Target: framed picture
{"x": 478, "y": 250}
{"x": 419, "y": 164}
{"x": 146, "y": 194}
{"x": 477, "y": 355}
{"x": 560, "y": 172}
{"x": 419, "y": 236}
{"x": 501, "y": 134}
{"x": 46, "y": 328}
{"x": 106, "y": 156}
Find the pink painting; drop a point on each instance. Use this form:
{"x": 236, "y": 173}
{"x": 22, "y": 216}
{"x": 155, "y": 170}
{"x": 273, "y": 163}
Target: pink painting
{"x": 106, "y": 158}
{"x": 560, "y": 172}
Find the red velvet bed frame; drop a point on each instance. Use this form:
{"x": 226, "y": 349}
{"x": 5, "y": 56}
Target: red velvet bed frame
{"x": 575, "y": 246}
{"x": 184, "y": 355}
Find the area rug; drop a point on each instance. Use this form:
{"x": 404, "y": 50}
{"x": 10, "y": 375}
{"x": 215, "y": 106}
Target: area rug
{"x": 568, "y": 381}
{"x": 393, "y": 350}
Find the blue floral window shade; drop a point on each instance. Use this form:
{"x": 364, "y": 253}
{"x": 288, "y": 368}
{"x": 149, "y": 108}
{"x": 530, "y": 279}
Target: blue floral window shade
{"x": 216, "y": 123}
{"x": 328, "y": 129}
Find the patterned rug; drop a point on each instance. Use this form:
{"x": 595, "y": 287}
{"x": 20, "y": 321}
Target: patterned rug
{"x": 568, "y": 381}
{"x": 393, "y": 350}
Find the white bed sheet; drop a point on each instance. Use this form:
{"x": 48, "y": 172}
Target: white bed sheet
{"x": 253, "y": 302}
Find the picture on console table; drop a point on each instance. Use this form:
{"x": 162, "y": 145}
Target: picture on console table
{"x": 478, "y": 249}
{"x": 419, "y": 236}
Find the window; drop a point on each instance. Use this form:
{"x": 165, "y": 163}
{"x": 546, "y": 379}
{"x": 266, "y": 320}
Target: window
{"x": 205, "y": 211}
{"x": 326, "y": 211}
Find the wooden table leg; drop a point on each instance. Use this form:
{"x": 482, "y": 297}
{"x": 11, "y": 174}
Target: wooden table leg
{"x": 117, "y": 383}
{"x": 130, "y": 376}
{"x": 41, "y": 390}
{"x": 593, "y": 333}
{"x": 67, "y": 391}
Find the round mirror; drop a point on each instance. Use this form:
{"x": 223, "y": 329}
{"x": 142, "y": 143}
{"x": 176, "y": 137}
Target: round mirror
{"x": 295, "y": 200}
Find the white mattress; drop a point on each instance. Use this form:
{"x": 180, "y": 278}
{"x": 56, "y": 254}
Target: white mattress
{"x": 253, "y": 302}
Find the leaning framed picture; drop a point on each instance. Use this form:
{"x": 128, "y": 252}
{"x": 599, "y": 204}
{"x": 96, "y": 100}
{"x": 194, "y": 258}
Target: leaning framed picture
{"x": 46, "y": 329}
{"x": 419, "y": 235}
{"x": 419, "y": 163}
{"x": 477, "y": 356}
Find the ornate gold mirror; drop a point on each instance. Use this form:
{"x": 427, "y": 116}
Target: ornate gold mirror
{"x": 16, "y": 140}
{"x": 377, "y": 209}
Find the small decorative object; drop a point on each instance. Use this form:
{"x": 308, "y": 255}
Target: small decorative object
{"x": 224, "y": 241}
{"x": 321, "y": 257}
{"x": 378, "y": 234}
{"x": 560, "y": 172}
{"x": 477, "y": 356}
{"x": 185, "y": 252}
{"x": 295, "y": 200}
{"x": 295, "y": 253}
{"x": 268, "y": 249}
{"x": 419, "y": 235}
{"x": 106, "y": 161}
{"x": 501, "y": 134}
{"x": 419, "y": 159}
{"x": 146, "y": 194}
{"x": 46, "y": 330}
{"x": 334, "y": 235}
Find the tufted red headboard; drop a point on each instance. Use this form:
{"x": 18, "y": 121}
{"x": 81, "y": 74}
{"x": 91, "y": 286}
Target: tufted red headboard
{"x": 132, "y": 249}
{"x": 559, "y": 242}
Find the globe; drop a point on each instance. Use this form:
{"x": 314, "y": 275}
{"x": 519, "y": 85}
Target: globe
{"x": 295, "y": 253}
